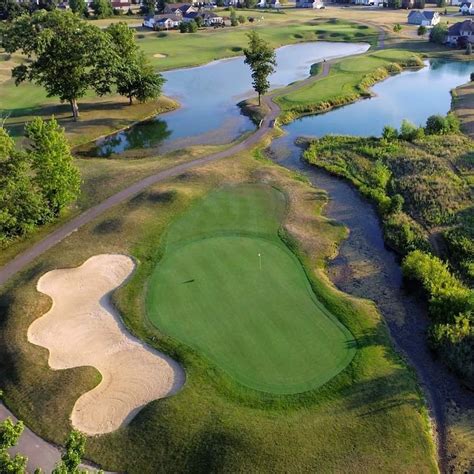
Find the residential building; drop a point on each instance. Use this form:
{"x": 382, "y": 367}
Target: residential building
{"x": 208, "y": 18}
{"x": 309, "y": 4}
{"x": 467, "y": 8}
{"x": 423, "y": 18}
{"x": 463, "y": 30}
{"x": 162, "y": 22}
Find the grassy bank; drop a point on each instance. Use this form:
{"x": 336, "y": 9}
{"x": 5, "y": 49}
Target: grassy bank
{"x": 371, "y": 416}
{"x": 348, "y": 80}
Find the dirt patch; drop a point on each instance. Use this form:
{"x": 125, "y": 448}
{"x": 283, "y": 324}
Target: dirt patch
{"x": 464, "y": 106}
{"x": 82, "y": 328}
{"x": 159, "y": 55}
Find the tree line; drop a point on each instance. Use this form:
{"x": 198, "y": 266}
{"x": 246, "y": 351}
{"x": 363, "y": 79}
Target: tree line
{"x": 68, "y": 57}
{"x": 37, "y": 183}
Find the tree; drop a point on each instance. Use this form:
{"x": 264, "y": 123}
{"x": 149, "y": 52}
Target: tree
{"x": 149, "y": 6}
{"x": 135, "y": 77}
{"x": 192, "y": 26}
{"x": 420, "y": 4}
{"x": 261, "y": 58}
{"x": 71, "y": 459}
{"x": 55, "y": 174}
{"x": 441, "y": 3}
{"x": 469, "y": 49}
{"x": 10, "y": 433}
{"x": 67, "y": 55}
{"x": 78, "y": 6}
{"x": 421, "y": 30}
{"x": 439, "y": 125}
{"x": 199, "y": 21}
{"x": 396, "y": 4}
{"x": 250, "y": 3}
{"x": 233, "y": 17}
{"x": 21, "y": 206}
{"x": 183, "y": 27}
{"x": 397, "y": 28}
{"x": 10, "y": 9}
{"x": 438, "y": 33}
{"x": 102, "y": 8}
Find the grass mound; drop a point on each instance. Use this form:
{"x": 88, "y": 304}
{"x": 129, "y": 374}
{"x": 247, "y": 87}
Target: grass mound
{"x": 255, "y": 317}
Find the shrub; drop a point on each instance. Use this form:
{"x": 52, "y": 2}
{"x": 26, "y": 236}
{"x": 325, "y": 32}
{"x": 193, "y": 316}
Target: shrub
{"x": 439, "y": 125}
{"x": 468, "y": 49}
{"x": 389, "y": 133}
{"x": 410, "y": 132}
{"x": 421, "y": 30}
{"x": 397, "y": 28}
{"x": 241, "y": 19}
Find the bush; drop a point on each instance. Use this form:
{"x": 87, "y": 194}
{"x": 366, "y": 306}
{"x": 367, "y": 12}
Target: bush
{"x": 389, "y": 133}
{"x": 421, "y": 30}
{"x": 439, "y": 125}
{"x": 241, "y": 19}
{"x": 410, "y": 132}
{"x": 397, "y": 28}
{"x": 468, "y": 49}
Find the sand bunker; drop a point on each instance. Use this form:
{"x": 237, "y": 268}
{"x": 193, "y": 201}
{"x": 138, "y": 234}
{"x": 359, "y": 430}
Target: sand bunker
{"x": 159, "y": 55}
{"x": 82, "y": 328}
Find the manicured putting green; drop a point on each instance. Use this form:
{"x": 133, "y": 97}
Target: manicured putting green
{"x": 255, "y": 317}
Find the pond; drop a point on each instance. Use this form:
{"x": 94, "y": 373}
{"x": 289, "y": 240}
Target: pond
{"x": 209, "y": 95}
{"x": 411, "y": 95}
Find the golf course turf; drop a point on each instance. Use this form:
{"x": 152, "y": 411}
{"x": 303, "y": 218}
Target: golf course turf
{"x": 228, "y": 287}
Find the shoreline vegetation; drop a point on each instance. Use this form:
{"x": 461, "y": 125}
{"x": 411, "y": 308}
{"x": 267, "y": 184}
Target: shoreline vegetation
{"x": 416, "y": 178}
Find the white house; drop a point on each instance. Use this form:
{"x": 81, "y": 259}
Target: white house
{"x": 164, "y": 22}
{"x": 459, "y": 30}
{"x": 309, "y": 4}
{"x": 467, "y": 8}
{"x": 368, "y": 3}
{"x": 423, "y": 18}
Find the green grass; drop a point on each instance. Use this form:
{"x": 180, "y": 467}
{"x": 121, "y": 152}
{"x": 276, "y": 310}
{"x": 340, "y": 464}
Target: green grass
{"x": 343, "y": 80}
{"x": 262, "y": 325}
{"x": 208, "y": 45}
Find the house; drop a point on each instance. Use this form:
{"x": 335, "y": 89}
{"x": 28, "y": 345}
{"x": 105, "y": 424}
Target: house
{"x": 208, "y": 18}
{"x": 463, "y": 30}
{"x": 309, "y": 4}
{"x": 162, "y": 22}
{"x": 121, "y": 4}
{"x": 179, "y": 9}
{"x": 269, "y": 4}
{"x": 467, "y": 8}
{"x": 423, "y": 18}
{"x": 368, "y": 3}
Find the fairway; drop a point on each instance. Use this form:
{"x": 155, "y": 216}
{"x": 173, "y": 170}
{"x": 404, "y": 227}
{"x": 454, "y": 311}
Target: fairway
{"x": 256, "y": 317}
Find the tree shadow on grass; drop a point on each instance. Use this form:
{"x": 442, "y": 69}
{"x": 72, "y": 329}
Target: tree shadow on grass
{"x": 154, "y": 197}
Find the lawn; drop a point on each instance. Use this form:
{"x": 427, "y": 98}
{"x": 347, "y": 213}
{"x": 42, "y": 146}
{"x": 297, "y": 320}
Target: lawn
{"x": 371, "y": 416}
{"x": 208, "y": 45}
{"x": 261, "y": 323}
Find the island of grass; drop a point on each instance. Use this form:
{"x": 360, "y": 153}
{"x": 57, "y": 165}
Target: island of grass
{"x": 231, "y": 289}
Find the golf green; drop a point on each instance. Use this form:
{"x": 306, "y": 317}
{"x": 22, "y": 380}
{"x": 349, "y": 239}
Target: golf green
{"x": 231, "y": 289}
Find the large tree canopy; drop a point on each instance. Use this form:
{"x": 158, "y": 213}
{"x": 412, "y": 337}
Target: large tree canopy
{"x": 260, "y": 56}
{"x": 67, "y": 55}
{"x": 134, "y": 78}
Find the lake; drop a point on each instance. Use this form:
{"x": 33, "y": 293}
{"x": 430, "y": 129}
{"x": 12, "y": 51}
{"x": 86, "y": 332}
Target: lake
{"x": 209, "y": 94}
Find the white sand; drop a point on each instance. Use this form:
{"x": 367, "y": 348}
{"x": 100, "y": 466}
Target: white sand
{"x": 82, "y": 328}
{"x": 159, "y": 55}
